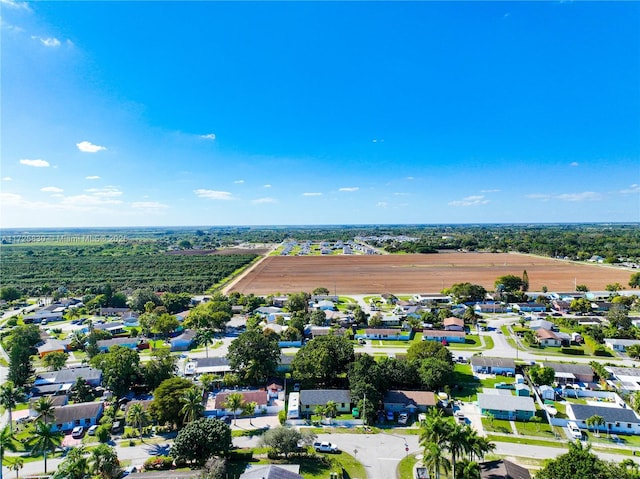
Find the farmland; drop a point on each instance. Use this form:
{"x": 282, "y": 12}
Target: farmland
{"x": 419, "y": 273}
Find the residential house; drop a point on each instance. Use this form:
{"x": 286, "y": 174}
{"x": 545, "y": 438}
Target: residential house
{"x": 69, "y": 376}
{"x": 410, "y": 401}
{"x": 548, "y": 338}
{"x": 453, "y": 324}
{"x": 312, "y": 398}
{"x": 561, "y": 306}
{"x": 217, "y": 365}
{"x": 56, "y": 401}
{"x": 491, "y": 308}
{"x": 507, "y": 407}
{"x": 388, "y": 298}
{"x": 537, "y": 324}
{"x": 324, "y": 305}
{"x": 529, "y": 307}
{"x": 84, "y": 414}
{"x": 114, "y": 328}
{"x": 503, "y": 469}
{"x": 428, "y": 298}
{"x": 389, "y": 320}
{"x": 113, "y": 311}
{"x": 617, "y": 419}
{"x": 40, "y": 316}
{"x": 481, "y": 364}
{"x": 620, "y": 345}
{"x": 571, "y": 373}
{"x": 444, "y": 336}
{"x": 184, "y": 341}
{"x": 385, "y": 333}
{"x": 131, "y": 343}
{"x": 284, "y": 365}
{"x": 53, "y": 346}
{"x": 131, "y": 319}
{"x": 271, "y": 471}
{"x": 624, "y": 379}
{"x": 260, "y": 397}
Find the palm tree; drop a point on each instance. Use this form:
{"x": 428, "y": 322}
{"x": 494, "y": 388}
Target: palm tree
{"x": 7, "y": 442}
{"x": 595, "y": 421}
{"x": 468, "y": 470}
{"x": 9, "y": 397}
{"x": 331, "y": 409}
{"x": 249, "y": 409}
{"x": 192, "y": 406}
{"x": 456, "y": 442}
{"x": 234, "y": 402}
{"x": 105, "y": 462}
{"x": 75, "y": 465}
{"x": 16, "y": 464}
{"x": 434, "y": 461}
{"x": 137, "y": 416}
{"x": 479, "y": 446}
{"x": 45, "y": 409}
{"x": 45, "y": 439}
{"x": 206, "y": 337}
{"x": 78, "y": 340}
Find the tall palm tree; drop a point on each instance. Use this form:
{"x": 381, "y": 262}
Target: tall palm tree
{"x": 45, "y": 439}
{"x": 45, "y": 409}
{"x": 7, "y": 442}
{"x": 9, "y": 397}
{"x": 434, "y": 461}
{"x": 192, "y": 406}
{"x": 78, "y": 340}
{"x": 234, "y": 403}
{"x": 456, "y": 442}
{"x": 468, "y": 470}
{"x": 331, "y": 409}
{"x": 137, "y": 416}
{"x": 206, "y": 337}
{"x": 105, "y": 463}
{"x": 16, "y": 464}
{"x": 479, "y": 446}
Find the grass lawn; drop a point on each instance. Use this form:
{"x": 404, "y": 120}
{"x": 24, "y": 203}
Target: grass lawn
{"x": 405, "y": 468}
{"x": 497, "y": 425}
{"x": 523, "y": 440}
{"x": 470, "y": 342}
{"x": 467, "y": 385}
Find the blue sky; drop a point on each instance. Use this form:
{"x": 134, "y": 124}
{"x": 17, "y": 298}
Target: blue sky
{"x": 212, "y": 113}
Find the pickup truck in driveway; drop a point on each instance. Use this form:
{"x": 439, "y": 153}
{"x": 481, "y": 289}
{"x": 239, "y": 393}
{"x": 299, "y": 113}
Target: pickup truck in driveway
{"x": 326, "y": 447}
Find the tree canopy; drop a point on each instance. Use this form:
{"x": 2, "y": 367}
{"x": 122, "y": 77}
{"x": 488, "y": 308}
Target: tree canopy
{"x": 167, "y": 405}
{"x": 120, "y": 369}
{"x": 323, "y": 359}
{"x": 200, "y": 440}
{"x": 254, "y": 356}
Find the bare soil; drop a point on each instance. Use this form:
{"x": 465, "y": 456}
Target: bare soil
{"x": 414, "y": 273}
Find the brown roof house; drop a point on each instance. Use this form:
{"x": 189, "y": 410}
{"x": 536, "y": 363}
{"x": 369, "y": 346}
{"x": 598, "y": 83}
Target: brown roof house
{"x": 503, "y": 469}
{"x": 453, "y": 324}
{"x": 410, "y": 401}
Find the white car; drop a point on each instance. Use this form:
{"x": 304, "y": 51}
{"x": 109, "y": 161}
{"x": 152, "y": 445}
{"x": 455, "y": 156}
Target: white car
{"x": 325, "y": 447}
{"x": 92, "y": 430}
{"x": 574, "y": 430}
{"x": 77, "y": 432}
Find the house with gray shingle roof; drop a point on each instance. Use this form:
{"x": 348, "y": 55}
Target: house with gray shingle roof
{"x": 311, "y": 398}
{"x": 84, "y": 414}
{"x": 506, "y": 407}
{"x": 282, "y": 471}
{"x": 617, "y": 419}
{"x": 481, "y": 364}
{"x": 503, "y": 469}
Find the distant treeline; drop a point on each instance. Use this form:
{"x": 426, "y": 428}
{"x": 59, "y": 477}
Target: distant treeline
{"x": 88, "y": 268}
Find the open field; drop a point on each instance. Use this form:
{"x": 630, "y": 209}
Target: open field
{"x": 419, "y": 273}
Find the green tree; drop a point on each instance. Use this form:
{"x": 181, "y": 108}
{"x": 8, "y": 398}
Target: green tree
{"x": 120, "y": 369}
{"x": 429, "y": 349}
{"x": 595, "y": 422}
{"x": 434, "y": 373}
{"x": 77, "y": 340}
{"x": 581, "y": 305}
{"x": 166, "y": 405}
{"x": 321, "y": 292}
{"x": 22, "y": 346}
{"x": 10, "y": 293}
{"x": 205, "y": 337}
{"x": 323, "y": 359}
{"x": 15, "y": 464}
{"x": 141, "y": 297}
{"x": 44, "y": 409}
{"x": 285, "y": 441}
{"x": 162, "y": 366}
{"x": 104, "y": 462}
{"x": 74, "y": 466}
{"x": 192, "y": 406}
{"x": 298, "y": 302}
{"x": 466, "y": 292}
{"x": 579, "y": 462}
{"x": 165, "y": 324}
{"x": 375, "y": 321}
{"x": 200, "y": 440}
{"x": 176, "y": 302}
{"x": 634, "y": 281}
{"x": 634, "y": 351}
{"x": 331, "y": 409}
{"x": 45, "y": 439}
{"x": 525, "y": 281}
{"x": 7, "y": 443}
{"x": 583, "y": 288}
{"x": 510, "y": 283}
{"x": 542, "y": 375}
{"x": 234, "y": 403}
{"x": 137, "y": 417}
{"x": 254, "y": 356}
{"x": 56, "y": 360}
{"x": 618, "y": 316}
{"x": 318, "y": 318}
{"x": 81, "y": 391}
{"x": 9, "y": 397}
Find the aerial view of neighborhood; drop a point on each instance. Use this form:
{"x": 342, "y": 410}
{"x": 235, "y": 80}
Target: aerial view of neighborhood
{"x": 351, "y": 352}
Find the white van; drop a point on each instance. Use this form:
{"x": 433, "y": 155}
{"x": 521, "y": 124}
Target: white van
{"x": 574, "y": 430}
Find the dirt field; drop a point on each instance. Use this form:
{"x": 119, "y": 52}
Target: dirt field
{"x": 418, "y": 273}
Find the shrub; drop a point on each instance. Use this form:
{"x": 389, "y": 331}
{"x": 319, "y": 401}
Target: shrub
{"x": 573, "y": 351}
{"x": 282, "y": 416}
{"x": 102, "y": 433}
{"x": 158, "y": 463}
{"x": 601, "y": 351}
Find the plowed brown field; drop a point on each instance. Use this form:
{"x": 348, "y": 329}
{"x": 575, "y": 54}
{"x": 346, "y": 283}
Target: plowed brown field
{"x": 418, "y": 273}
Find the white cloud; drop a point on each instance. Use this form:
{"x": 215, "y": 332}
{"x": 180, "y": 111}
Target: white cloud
{"x": 382, "y": 204}
{"x": 148, "y": 205}
{"x": 50, "y": 42}
{"x": 106, "y": 192}
{"x": 51, "y": 189}
{"x": 400, "y": 194}
{"x": 7, "y": 178}
{"x": 93, "y": 177}
{"x": 311, "y": 194}
{"x": 631, "y": 190}
{"x": 239, "y": 182}
{"x": 264, "y": 200}
{"x": 349, "y": 189}
{"x": 14, "y": 4}
{"x": 35, "y": 163}
{"x": 88, "y": 147}
{"x": 84, "y": 201}
{"x": 409, "y": 178}
{"x": 490, "y": 191}
{"x": 266, "y": 186}
{"x": 470, "y": 201}
{"x": 213, "y": 194}
{"x": 210, "y": 136}
{"x": 574, "y": 163}
{"x": 572, "y": 197}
